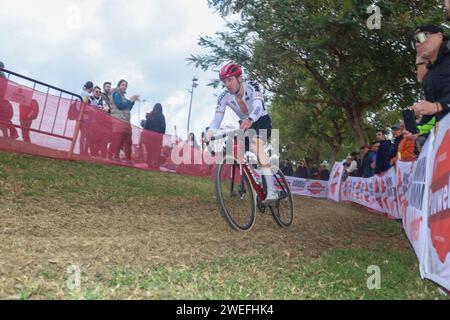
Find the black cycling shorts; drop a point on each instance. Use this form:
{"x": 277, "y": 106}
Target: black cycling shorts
{"x": 263, "y": 123}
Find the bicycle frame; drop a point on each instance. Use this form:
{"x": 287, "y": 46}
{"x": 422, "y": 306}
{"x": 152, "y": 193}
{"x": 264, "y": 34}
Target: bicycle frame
{"x": 243, "y": 165}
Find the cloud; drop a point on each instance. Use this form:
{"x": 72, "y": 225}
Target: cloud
{"x": 67, "y": 42}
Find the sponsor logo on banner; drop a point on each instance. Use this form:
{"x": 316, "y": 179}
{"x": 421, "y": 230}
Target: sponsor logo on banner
{"x": 310, "y": 188}
{"x": 316, "y": 188}
{"x": 439, "y": 204}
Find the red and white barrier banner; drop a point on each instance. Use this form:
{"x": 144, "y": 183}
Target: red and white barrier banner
{"x": 437, "y": 221}
{"x": 386, "y": 193}
{"x": 415, "y": 221}
{"x": 18, "y": 94}
{"x": 309, "y": 188}
{"x": 404, "y": 173}
{"x": 302, "y": 187}
{"x": 335, "y": 181}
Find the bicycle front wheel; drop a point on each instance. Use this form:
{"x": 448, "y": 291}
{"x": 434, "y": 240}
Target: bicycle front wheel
{"x": 283, "y": 209}
{"x": 235, "y": 196}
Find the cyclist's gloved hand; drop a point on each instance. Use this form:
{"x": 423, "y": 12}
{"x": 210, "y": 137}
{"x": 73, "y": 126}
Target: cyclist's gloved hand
{"x": 209, "y": 134}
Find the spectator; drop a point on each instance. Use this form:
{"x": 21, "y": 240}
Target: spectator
{"x": 363, "y": 151}
{"x": 352, "y": 165}
{"x": 191, "y": 141}
{"x": 302, "y": 170}
{"x": 6, "y": 109}
{"x": 6, "y": 115}
{"x": 2, "y": 75}
{"x": 384, "y": 151}
{"x": 425, "y": 124}
{"x": 287, "y": 168}
{"x": 74, "y": 113}
{"x": 87, "y": 90}
{"x": 3, "y": 81}
{"x": 430, "y": 42}
{"x": 397, "y": 133}
{"x": 96, "y": 99}
{"x": 405, "y": 150}
{"x": 106, "y": 95}
{"x": 370, "y": 161}
{"x": 324, "y": 173}
{"x": 156, "y": 123}
{"x": 313, "y": 172}
{"x": 28, "y": 113}
{"x": 121, "y": 110}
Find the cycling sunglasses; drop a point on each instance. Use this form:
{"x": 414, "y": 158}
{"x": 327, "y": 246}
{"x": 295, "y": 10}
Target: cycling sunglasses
{"x": 420, "y": 37}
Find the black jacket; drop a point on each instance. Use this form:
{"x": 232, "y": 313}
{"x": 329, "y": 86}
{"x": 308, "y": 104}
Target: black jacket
{"x": 436, "y": 83}
{"x": 383, "y": 160}
{"x": 301, "y": 172}
{"x": 395, "y": 146}
{"x": 288, "y": 171}
{"x": 157, "y": 124}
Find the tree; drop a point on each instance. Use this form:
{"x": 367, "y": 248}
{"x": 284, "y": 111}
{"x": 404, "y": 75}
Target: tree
{"x": 322, "y": 53}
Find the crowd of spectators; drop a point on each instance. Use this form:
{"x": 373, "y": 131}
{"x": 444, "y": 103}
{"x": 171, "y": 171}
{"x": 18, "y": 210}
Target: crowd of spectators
{"x": 101, "y": 134}
{"x": 311, "y": 171}
{"x": 432, "y": 65}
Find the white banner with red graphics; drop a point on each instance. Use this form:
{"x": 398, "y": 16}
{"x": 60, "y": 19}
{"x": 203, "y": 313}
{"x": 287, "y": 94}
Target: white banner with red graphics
{"x": 310, "y": 188}
{"x": 404, "y": 173}
{"x": 415, "y": 221}
{"x": 335, "y": 181}
{"x": 303, "y": 187}
{"x": 437, "y": 224}
{"x": 416, "y": 192}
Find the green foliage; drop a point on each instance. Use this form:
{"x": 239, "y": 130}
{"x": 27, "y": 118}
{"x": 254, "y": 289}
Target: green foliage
{"x": 321, "y": 55}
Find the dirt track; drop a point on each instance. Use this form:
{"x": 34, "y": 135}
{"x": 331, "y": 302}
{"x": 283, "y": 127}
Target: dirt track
{"x": 178, "y": 232}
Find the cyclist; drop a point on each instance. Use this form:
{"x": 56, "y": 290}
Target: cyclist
{"x": 246, "y": 100}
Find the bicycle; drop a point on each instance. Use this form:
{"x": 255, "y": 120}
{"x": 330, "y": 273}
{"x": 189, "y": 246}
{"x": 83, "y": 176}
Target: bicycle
{"x": 238, "y": 191}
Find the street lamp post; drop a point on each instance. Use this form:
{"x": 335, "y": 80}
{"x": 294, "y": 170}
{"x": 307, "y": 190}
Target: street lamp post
{"x": 139, "y": 110}
{"x": 194, "y": 85}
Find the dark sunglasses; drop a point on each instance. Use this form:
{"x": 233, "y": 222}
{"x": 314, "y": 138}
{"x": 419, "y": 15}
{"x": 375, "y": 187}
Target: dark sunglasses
{"x": 420, "y": 37}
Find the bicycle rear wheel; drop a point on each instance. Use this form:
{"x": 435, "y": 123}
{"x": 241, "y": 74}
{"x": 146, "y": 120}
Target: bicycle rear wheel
{"x": 235, "y": 196}
{"x": 283, "y": 209}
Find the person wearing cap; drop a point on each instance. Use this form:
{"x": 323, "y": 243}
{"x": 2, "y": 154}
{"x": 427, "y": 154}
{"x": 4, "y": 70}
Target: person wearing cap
{"x": 352, "y": 165}
{"x": 324, "y": 173}
{"x": 397, "y": 133}
{"x": 87, "y": 90}
{"x": 431, "y": 42}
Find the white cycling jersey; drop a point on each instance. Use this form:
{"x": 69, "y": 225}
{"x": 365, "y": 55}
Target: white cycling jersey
{"x": 252, "y": 98}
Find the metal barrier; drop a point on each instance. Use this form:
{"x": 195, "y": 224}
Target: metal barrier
{"x": 31, "y": 83}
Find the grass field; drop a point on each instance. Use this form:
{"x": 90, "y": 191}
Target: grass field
{"x": 141, "y": 235}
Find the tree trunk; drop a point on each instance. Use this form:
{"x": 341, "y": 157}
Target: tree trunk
{"x": 355, "y": 119}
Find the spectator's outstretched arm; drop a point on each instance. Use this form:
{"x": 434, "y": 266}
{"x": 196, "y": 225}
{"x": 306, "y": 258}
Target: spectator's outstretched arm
{"x": 120, "y": 104}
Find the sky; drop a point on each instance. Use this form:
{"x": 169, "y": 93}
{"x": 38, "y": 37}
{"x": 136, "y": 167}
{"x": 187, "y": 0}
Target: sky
{"x": 67, "y": 42}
